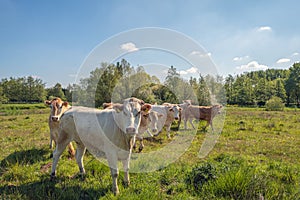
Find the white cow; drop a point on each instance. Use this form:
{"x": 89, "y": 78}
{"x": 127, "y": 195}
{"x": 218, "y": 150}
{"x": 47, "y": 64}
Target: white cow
{"x": 109, "y": 132}
{"x": 170, "y": 113}
{"x": 148, "y": 121}
{"x": 184, "y": 107}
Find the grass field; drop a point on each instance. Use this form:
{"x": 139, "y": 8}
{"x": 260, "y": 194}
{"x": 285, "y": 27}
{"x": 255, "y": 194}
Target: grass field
{"x": 256, "y": 156}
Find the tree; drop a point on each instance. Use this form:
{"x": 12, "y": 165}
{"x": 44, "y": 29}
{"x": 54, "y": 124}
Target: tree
{"x": 292, "y": 85}
{"x": 3, "y": 98}
{"x": 56, "y": 91}
{"x": 25, "y": 89}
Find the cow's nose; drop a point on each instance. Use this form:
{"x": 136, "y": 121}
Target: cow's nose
{"x": 130, "y": 130}
{"x": 154, "y": 130}
{"x": 176, "y": 118}
{"x": 54, "y": 118}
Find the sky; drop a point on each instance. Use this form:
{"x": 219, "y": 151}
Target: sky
{"x": 53, "y": 40}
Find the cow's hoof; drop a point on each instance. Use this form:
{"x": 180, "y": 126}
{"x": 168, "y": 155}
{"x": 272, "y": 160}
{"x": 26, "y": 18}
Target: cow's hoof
{"x": 52, "y": 177}
{"x": 140, "y": 149}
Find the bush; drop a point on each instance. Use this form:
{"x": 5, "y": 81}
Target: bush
{"x": 200, "y": 175}
{"x": 274, "y": 104}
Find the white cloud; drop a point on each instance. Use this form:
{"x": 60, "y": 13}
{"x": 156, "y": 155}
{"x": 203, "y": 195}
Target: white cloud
{"x": 264, "y": 28}
{"x": 283, "y": 60}
{"x": 295, "y": 54}
{"x": 192, "y": 70}
{"x": 198, "y": 53}
{"x": 129, "y": 47}
{"x": 252, "y": 66}
{"x": 240, "y": 58}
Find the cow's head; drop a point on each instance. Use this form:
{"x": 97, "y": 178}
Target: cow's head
{"x": 129, "y": 113}
{"x": 216, "y": 109}
{"x": 58, "y": 107}
{"x": 154, "y": 117}
{"x": 175, "y": 110}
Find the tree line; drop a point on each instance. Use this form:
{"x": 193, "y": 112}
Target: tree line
{"x": 114, "y": 82}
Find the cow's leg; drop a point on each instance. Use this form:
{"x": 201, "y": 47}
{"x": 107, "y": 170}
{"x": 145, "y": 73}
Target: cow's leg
{"x": 79, "y": 156}
{"x": 113, "y": 165}
{"x": 185, "y": 123}
{"x": 210, "y": 123}
{"x": 141, "y": 144}
{"x": 179, "y": 120}
{"x": 191, "y": 122}
{"x": 149, "y": 133}
{"x": 168, "y": 130}
{"x": 126, "y": 171}
{"x": 60, "y": 147}
{"x": 71, "y": 150}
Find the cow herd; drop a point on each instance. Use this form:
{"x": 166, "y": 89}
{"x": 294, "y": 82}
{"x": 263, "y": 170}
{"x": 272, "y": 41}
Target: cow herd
{"x": 114, "y": 131}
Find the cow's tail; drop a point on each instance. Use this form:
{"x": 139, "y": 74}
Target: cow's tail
{"x": 71, "y": 150}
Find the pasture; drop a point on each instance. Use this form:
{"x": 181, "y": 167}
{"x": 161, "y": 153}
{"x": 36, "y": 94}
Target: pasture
{"x": 256, "y": 156}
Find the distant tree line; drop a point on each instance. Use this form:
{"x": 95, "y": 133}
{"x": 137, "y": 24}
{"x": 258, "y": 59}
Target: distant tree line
{"x": 114, "y": 82}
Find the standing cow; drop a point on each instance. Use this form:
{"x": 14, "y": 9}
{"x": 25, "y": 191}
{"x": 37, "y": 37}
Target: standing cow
{"x": 149, "y": 120}
{"x": 170, "y": 113}
{"x": 58, "y": 108}
{"x": 206, "y": 113}
{"x": 109, "y": 132}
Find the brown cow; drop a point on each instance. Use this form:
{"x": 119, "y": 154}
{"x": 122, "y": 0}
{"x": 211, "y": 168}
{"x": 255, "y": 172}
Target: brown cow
{"x": 206, "y": 113}
{"x": 58, "y": 108}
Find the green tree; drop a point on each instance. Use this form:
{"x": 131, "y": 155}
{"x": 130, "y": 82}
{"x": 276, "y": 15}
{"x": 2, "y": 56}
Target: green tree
{"x": 292, "y": 84}
{"x": 56, "y": 91}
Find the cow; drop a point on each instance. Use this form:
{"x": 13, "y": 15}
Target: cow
{"x": 170, "y": 113}
{"x": 148, "y": 120}
{"x": 109, "y": 132}
{"x": 58, "y": 108}
{"x": 206, "y": 113}
{"x": 183, "y": 107}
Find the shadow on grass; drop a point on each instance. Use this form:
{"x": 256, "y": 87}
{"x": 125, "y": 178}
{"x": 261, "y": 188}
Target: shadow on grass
{"x": 30, "y": 157}
{"x": 46, "y": 189}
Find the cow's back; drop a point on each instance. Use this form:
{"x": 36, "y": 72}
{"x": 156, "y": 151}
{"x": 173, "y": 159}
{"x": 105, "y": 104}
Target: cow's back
{"x": 96, "y": 129}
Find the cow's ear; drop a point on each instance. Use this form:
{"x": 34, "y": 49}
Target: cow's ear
{"x": 118, "y": 107}
{"x": 47, "y": 102}
{"x": 146, "y": 108}
{"x": 65, "y": 103}
{"x": 107, "y": 105}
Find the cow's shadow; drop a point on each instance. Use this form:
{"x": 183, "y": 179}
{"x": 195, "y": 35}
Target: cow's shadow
{"x": 46, "y": 189}
{"x": 43, "y": 188}
{"x": 26, "y": 157}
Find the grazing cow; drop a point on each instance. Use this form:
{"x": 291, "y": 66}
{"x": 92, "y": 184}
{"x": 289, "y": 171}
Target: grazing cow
{"x": 206, "y": 113}
{"x": 148, "y": 120}
{"x": 110, "y": 133}
{"x": 170, "y": 113}
{"x": 58, "y": 108}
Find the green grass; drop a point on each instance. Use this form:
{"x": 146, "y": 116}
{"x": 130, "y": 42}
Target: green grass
{"x": 257, "y": 154}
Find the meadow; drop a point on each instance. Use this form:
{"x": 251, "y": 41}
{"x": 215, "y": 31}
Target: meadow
{"x": 256, "y": 157}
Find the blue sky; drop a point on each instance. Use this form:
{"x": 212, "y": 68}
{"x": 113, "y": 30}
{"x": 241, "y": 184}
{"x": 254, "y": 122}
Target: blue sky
{"x": 51, "y": 39}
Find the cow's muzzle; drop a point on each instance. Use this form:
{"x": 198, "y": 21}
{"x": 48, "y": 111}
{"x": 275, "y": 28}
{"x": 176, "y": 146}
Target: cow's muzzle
{"x": 131, "y": 130}
{"x": 176, "y": 118}
{"x": 54, "y": 118}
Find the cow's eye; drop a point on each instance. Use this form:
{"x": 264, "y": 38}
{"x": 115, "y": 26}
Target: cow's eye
{"x": 137, "y": 114}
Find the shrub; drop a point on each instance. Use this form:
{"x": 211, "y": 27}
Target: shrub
{"x": 200, "y": 175}
{"x": 274, "y": 104}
